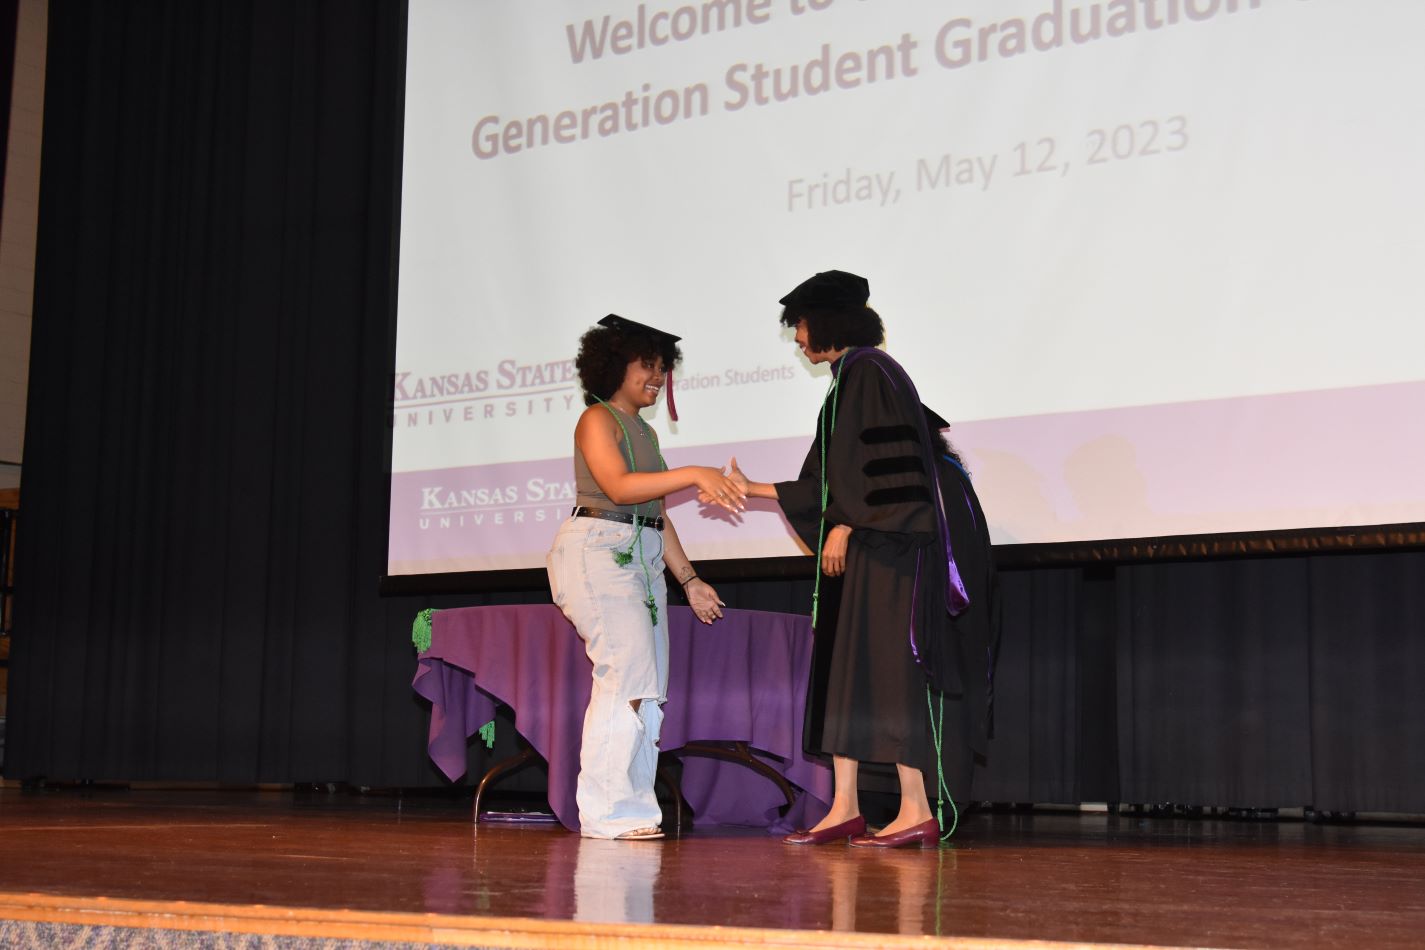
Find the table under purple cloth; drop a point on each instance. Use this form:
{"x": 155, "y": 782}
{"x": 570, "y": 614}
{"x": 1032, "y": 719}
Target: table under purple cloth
{"x": 742, "y": 679}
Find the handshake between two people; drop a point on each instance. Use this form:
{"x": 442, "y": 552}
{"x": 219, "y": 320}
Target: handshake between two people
{"x": 732, "y": 488}
{"x": 728, "y": 488}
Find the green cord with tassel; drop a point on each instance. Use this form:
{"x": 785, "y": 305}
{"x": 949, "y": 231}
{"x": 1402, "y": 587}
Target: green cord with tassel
{"x": 625, "y": 557}
{"x": 942, "y": 790}
{"x": 833, "y": 393}
{"x": 420, "y": 629}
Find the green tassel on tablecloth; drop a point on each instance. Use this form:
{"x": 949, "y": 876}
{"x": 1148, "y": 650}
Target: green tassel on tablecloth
{"x": 420, "y": 630}
{"x": 487, "y": 732}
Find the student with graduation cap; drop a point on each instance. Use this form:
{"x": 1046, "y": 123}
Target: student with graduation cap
{"x": 905, "y": 607}
{"x": 606, "y": 569}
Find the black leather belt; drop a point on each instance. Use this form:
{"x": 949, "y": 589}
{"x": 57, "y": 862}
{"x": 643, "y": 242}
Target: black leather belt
{"x": 620, "y": 516}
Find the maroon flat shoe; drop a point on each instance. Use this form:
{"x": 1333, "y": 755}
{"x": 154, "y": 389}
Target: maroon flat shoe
{"x": 927, "y": 834}
{"x": 846, "y": 829}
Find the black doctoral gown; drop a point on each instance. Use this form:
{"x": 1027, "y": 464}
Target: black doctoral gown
{"x": 885, "y": 629}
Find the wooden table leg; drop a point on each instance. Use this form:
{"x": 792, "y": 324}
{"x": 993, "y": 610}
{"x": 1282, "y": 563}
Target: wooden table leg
{"x": 736, "y": 752}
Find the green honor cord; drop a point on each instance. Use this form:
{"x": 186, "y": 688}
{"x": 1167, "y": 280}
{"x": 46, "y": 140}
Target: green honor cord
{"x": 942, "y": 791}
{"x": 623, "y": 557}
{"x": 833, "y": 393}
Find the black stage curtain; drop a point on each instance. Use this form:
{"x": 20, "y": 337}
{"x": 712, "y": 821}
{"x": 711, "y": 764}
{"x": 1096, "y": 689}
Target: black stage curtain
{"x": 205, "y": 487}
{"x": 9, "y": 24}
{"x": 205, "y": 445}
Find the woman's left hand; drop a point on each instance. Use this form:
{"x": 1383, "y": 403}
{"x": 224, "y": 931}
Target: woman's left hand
{"x": 706, "y": 604}
{"x": 833, "y": 551}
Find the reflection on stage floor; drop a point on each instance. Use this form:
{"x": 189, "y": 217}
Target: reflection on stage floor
{"x": 1056, "y": 876}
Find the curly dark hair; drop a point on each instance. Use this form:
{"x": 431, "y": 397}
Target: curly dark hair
{"x": 834, "y": 328}
{"x": 604, "y": 355}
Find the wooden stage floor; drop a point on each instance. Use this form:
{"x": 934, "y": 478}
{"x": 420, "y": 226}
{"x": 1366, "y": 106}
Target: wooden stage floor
{"x": 415, "y": 869}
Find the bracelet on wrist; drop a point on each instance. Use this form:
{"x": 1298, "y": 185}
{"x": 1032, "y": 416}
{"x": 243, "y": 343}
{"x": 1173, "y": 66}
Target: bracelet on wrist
{"x": 685, "y": 583}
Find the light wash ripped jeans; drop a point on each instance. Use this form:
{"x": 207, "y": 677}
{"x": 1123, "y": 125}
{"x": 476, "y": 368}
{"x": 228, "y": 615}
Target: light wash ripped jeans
{"x": 618, "y": 759}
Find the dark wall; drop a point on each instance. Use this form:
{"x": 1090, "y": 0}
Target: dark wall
{"x": 9, "y": 16}
{"x": 205, "y": 484}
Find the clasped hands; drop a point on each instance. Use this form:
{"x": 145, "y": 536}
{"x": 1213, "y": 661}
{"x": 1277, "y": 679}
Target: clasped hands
{"x": 727, "y": 488}
{"x": 833, "y": 549}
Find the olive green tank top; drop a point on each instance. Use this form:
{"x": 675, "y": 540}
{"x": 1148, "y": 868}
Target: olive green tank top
{"x": 645, "y": 456}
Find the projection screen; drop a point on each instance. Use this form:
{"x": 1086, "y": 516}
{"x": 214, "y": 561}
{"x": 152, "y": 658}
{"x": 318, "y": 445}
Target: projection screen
{"x": 1158, "y": 261}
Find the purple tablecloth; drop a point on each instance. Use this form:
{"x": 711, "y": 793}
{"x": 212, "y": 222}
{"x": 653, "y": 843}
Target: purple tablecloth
{"x": 742, "y": 679}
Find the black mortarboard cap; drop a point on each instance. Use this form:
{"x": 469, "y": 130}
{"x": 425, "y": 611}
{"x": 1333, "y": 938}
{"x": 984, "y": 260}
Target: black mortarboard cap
{"x": 832, "y": 290}
{"x": 615, "y": 322}
{"x": 934, "y": 419}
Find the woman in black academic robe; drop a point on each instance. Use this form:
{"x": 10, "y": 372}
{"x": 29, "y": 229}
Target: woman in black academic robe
{"x": 905, "y": 610}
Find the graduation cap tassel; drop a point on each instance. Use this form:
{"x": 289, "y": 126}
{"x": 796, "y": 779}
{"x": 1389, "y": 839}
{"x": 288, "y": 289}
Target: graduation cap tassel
{"x": 672, "y": 406}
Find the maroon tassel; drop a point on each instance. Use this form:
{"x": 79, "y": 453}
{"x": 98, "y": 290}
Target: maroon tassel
{"x": 672, "y": 407}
